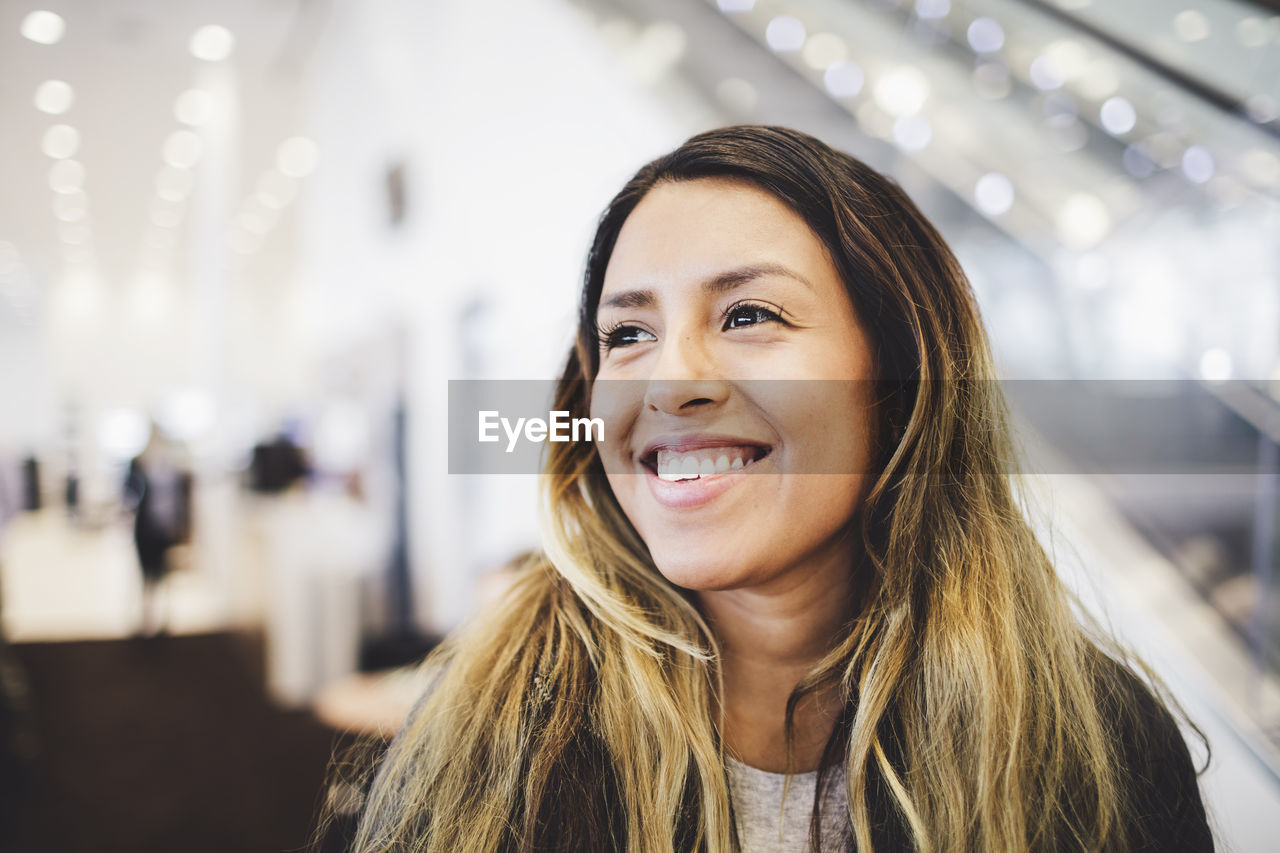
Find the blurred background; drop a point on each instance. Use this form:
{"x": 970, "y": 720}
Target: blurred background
{"x": 244, "y": 246}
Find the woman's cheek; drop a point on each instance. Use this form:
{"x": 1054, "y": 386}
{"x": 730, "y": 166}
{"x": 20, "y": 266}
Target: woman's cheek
{"x": 617, "y": 403}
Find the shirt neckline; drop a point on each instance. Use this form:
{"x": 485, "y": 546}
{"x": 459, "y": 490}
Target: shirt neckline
{"x": 743, "y": 767}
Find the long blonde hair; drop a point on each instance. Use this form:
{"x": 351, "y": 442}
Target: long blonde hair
{"x": 979, "y": 715}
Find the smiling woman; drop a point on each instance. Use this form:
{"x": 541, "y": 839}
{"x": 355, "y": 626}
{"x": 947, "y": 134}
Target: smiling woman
{"x": 790, "y": 601}
{"x": 717, "y": 339}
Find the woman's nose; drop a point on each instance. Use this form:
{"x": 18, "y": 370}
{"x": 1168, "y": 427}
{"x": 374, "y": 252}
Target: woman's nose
{"x": 685, "y": 376}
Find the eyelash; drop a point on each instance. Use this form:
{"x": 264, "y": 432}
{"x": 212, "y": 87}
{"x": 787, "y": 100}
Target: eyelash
{"x": 770, "y": 313}
{"x": 613, "y": 337}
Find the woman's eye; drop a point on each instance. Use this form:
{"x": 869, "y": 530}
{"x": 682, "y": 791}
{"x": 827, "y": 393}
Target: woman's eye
{"x": 622, "y": 336}
{"x": 746, "y": 314}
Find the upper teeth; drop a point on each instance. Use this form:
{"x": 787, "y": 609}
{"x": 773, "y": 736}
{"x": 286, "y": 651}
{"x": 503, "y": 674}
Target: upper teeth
{"x": 676, "y": 465}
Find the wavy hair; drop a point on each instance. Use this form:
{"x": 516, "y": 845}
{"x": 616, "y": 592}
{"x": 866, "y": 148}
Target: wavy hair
{"x": 979, "y": 714}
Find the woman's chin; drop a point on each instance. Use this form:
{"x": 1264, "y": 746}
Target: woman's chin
{"x": 699, "y": 575}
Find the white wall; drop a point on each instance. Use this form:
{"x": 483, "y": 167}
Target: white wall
{"x": 517, "y": 126}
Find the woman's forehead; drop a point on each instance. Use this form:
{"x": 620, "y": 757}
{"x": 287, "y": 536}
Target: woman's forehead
{"x": 685, "y": 232}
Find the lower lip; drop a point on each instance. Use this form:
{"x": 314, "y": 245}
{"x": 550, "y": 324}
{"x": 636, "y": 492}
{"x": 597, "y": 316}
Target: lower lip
{"x": 686, "y": 494}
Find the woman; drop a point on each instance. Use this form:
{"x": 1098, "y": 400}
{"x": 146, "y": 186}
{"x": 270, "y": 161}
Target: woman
{"x": 797, "y": 552}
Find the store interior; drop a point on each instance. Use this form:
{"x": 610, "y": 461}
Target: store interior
{"x": 252, "y": 243}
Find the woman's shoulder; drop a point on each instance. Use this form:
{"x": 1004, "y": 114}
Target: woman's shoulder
{"x": 1166, "y": 807}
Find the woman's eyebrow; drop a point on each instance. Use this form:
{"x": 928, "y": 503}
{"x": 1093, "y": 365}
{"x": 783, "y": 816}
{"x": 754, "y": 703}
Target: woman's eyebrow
{"x": 726, "y": 281}
{"x": 631, "y": 299}
{"x": 717, "y": 284}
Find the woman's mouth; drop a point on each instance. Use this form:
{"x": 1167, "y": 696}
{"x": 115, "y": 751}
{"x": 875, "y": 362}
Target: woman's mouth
{"x": 682, "y": 465}
{"x": 690, "y": 470}
{"x": 684, "y": 477}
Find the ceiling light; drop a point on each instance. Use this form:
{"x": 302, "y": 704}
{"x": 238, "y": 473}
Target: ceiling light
{"x": 1117, "y": 116}
{"x": 182, "y": 149}
{"x": 1261, "y": 108}
{"x": 1045, "y": 74}
{"x": 194, "y": 107}
{"x": 1252, "y": 32}
{"x": 212, "y": 43}
{"x": 43, "y": 27}
{"x": 188, "y": 414}
{"x": 929, "y": 9}
{"x": 61, "y": 141}
{"x": 1197, "y": 164}
{"x": 1099, "y": 81}
{"x": 123, "y": 433}
{"x": 985, "y": 35}
{"x": 1261, "y": 166}
{"x": 1068, "y": 58}
{"x": 1083, "y": 220}
{"x": 1191, "y": 25}
{"x": 736, "y": 5}
{"x": 1215, "y": 364}
{"x": 66, "y": 176}
{"x": 785, "y": 33}
{"x": 993, "y": 193}
{"x": 902, "y": 92}
{"x": 297, "y": 157}
{"x": 54, "y": 97}
{"x": 823, "y": 50}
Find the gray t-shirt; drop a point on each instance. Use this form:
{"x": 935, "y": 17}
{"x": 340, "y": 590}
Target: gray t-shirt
{"x": 767, "y": 824}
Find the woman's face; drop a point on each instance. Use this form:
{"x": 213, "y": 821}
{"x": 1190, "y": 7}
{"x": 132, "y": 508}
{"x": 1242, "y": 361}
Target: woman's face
{"x": 733, "y": 386}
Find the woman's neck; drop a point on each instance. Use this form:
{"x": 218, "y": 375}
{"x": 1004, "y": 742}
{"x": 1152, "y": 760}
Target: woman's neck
{"x": 770, "y": 638}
